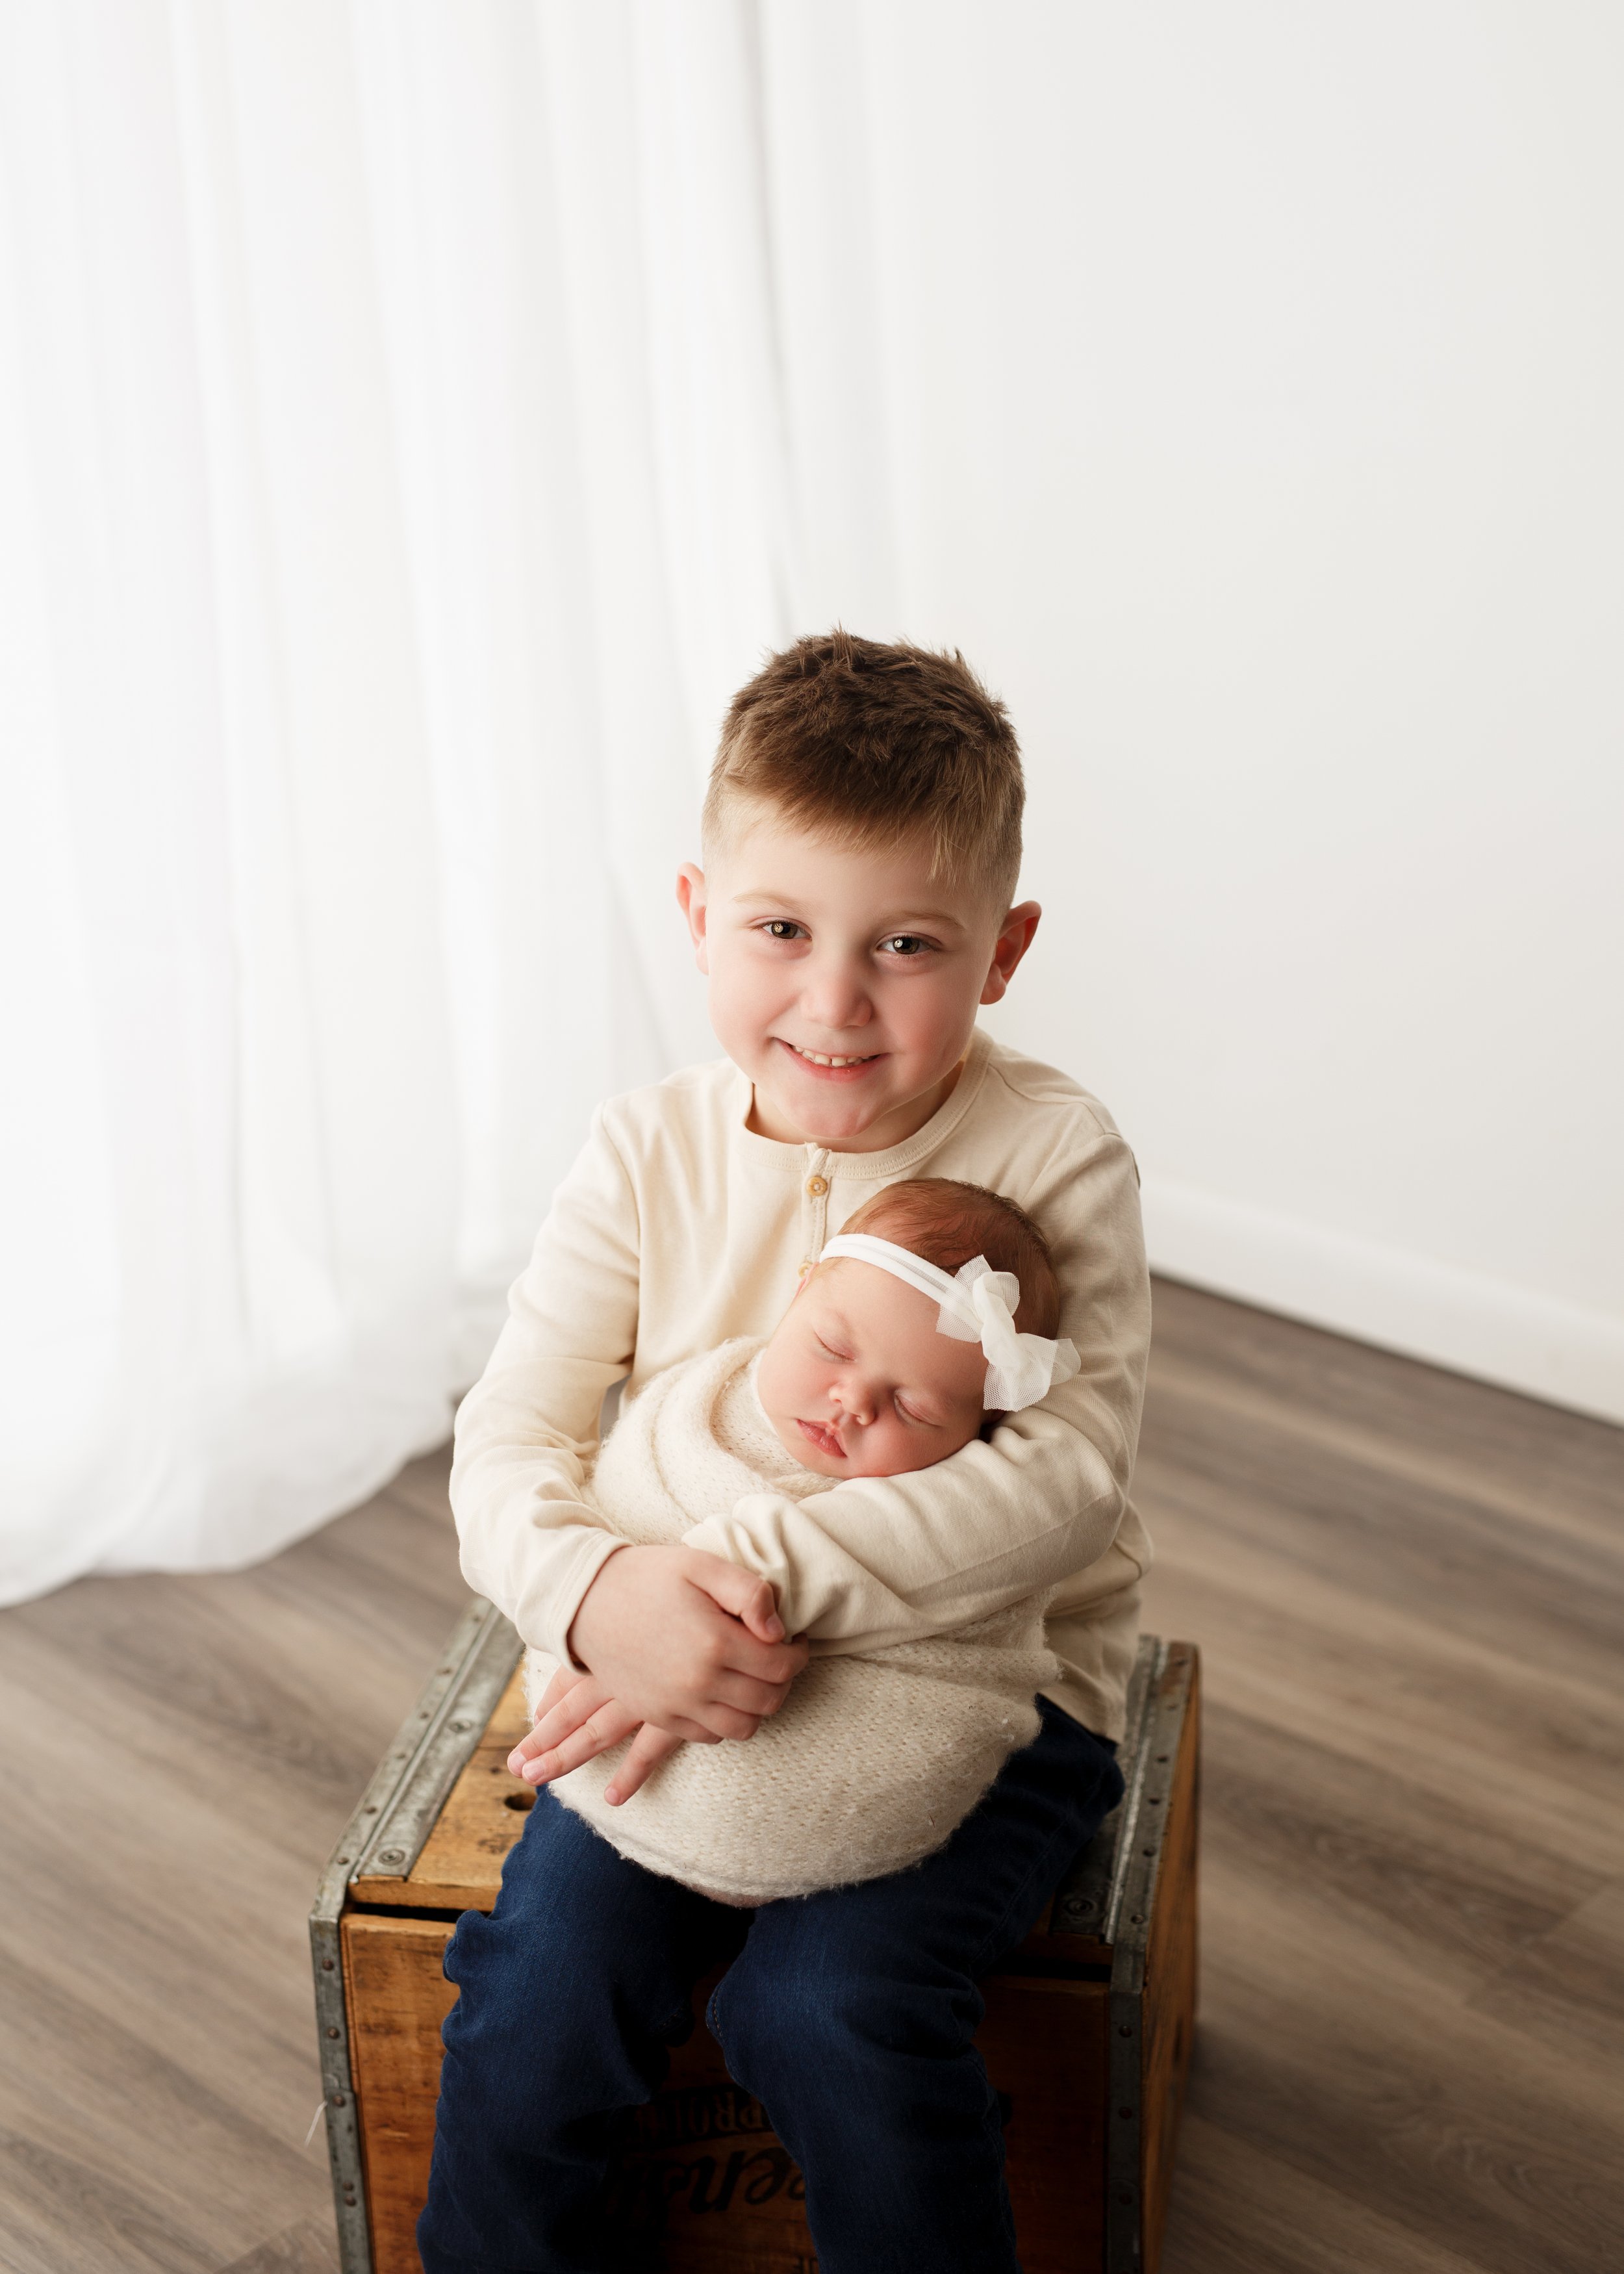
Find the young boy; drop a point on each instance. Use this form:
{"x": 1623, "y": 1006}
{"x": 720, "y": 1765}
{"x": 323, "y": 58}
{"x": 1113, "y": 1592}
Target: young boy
{"x": 863, "y": 842}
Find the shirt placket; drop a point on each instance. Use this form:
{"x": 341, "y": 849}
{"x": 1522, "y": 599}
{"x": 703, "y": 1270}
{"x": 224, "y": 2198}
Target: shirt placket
{"x": 814, "y": 1206}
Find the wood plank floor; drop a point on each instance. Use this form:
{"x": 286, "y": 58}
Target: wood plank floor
{"x": 1410, "y": 1592}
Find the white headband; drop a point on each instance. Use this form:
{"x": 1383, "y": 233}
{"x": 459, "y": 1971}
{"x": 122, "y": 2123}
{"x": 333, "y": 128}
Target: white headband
{"x": 978, "y": 1305}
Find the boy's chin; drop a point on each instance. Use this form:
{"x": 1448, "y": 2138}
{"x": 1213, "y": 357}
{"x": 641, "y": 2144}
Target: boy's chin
{"x": 838, "y": 1132}
{"x": 823, "y": 1114}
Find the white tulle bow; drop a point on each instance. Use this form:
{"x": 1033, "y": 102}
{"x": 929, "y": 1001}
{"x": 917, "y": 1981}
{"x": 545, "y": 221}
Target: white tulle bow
{"x": 978, "y": 1305}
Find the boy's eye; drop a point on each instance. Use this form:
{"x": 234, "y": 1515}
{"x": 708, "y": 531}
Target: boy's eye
{"x": 782, "y": 928}
{"x": 840, "y": 1356}
{"x": 905, "y": 942}
{"x": 909, "y": 1415}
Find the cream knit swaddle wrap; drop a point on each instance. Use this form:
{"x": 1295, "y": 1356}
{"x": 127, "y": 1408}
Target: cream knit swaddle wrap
{"x": 873, "y": 1760}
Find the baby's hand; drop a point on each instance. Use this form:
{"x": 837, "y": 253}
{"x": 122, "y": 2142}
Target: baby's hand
{"x": 576, "y": 1720}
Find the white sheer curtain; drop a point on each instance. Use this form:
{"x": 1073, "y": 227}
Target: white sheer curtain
{"x": 416, "y": 416}
{"x": 391, "y": 491}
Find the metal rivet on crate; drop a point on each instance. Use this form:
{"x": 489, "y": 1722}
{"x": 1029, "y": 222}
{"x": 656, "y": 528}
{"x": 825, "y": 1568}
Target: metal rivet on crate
{"x": 391, "y": 1854}
{"x": 337, "y": 2098}
{"x": 327, "y": 1966}
{"x": 1125, "y": 2030}
{"x": 461, "y": 1726}
{"x": 1154, "y": 1799}
{"x": 1137, "y": 1919}
{"x": 1150, "y": 1851}
{"x": 331, "y": 2033}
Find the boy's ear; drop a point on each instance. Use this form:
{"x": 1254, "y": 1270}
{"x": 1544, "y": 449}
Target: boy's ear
{"x": 691, "y": 900}
{"x": 1014, "y": 938}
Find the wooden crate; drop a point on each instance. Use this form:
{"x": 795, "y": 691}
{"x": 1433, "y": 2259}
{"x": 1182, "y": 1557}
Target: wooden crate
{"x": 1088, "y": 2032}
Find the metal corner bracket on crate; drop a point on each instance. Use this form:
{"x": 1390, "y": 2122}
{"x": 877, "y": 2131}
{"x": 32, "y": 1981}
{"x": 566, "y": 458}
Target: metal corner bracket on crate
{"x": 382, "y": 1840}
{"x": 1157, "y": 1705}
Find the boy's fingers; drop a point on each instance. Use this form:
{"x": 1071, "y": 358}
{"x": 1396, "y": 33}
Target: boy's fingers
{"x": 569, "y": 1714}
{"x": 613, "y": 1722}
{"x": 748, "y": 1696}
{"x": 742, "y": 1593}
{"x": 530, "y": 1744}
{"x": 728, "y": 1722}
{"x": 778, "y": 1662}
{"x": 581, "y": 1698}
{"x": 759, "y": 1613}
{"x": 606, "y": 1727}
{"x": 563, "y": 1681}
{"x": 649, "y": 1748}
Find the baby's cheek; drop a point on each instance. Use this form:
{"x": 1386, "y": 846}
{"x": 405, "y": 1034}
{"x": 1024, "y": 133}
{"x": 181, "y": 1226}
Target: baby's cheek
{"x": 899, "y": 1453}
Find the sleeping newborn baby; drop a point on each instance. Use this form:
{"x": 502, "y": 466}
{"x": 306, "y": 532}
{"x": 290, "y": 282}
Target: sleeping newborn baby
{"x": 926, "y": 1320}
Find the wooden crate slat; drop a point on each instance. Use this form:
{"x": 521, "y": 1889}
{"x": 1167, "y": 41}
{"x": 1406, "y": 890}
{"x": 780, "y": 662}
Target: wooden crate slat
{"x": 398, "y": 1998}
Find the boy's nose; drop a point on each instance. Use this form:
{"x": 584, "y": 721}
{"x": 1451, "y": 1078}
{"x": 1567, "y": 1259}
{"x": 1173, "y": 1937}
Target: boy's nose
{"x": 853, "y": 1406}
{"x": 835, "y": 998}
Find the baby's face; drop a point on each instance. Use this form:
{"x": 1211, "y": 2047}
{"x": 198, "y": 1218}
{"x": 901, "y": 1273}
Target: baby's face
{"x": 858, "y": 1381}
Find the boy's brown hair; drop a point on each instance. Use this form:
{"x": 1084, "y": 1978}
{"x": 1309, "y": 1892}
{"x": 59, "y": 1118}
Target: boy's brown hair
{"x": 949, "y": 1223}
{"x": 869, "y": 741}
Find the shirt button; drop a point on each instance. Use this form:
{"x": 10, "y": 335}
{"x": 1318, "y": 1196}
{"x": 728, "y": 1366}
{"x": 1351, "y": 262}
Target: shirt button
{"x": 817, "y": 1186}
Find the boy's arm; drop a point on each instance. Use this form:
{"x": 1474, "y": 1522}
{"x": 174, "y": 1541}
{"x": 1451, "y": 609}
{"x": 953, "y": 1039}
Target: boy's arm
{"x": 680, "y": 1638}
{"x": 892, "y": 1559}
{"x": 526, "y": 1430}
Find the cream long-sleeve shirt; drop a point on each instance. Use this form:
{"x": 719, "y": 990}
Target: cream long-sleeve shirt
{"x": 678, "y": 1229}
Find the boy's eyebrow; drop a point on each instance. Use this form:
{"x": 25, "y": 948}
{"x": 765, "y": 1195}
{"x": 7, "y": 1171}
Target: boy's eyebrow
{"x": 908, "y": 917}
{"x": 901, "y": 920}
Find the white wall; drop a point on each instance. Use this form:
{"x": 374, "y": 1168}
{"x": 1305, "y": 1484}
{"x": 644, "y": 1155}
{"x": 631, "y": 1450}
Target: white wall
{"x": 1241, "y": 389}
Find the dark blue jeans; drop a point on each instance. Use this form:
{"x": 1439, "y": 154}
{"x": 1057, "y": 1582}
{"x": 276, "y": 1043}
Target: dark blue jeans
{"x": 850, "y": 2015}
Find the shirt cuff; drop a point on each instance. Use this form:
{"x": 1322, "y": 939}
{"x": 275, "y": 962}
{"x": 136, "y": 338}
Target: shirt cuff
{"x": 546, "y": 1607}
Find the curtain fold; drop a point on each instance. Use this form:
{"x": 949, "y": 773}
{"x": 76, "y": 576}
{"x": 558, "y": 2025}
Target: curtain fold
{"x": 391, "y": 492}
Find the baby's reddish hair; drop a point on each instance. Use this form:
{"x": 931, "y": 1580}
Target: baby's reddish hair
{"x": 949, "y": 1223}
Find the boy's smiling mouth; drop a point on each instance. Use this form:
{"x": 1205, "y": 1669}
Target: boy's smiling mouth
{"x": 825, "y": 1438}
{"x": 826, "y": 1063}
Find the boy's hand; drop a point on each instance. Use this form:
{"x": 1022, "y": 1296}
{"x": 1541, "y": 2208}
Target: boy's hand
{"x": 750, "y": 1670}
{"x": 687, "y": 1641}
{"x": 577, "y": 1720}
